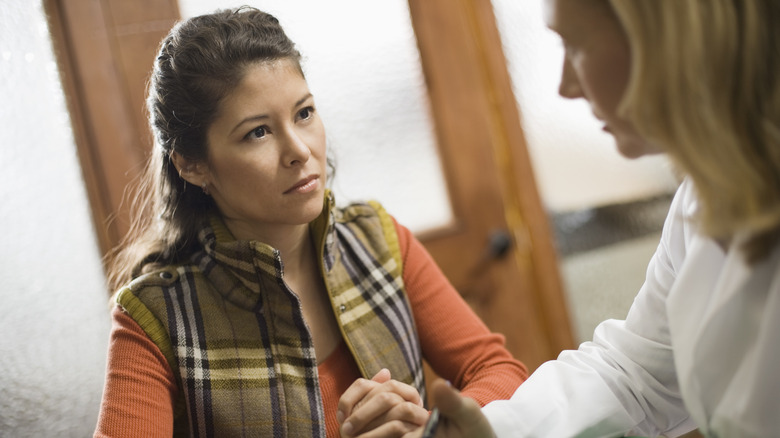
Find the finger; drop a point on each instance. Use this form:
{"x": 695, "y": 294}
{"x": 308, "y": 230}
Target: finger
{"x": 379, "y": 400}
{"x": 351, "y": 398}
{"x": 383, "y": 408}
{"x": 446, "y": 398}
{"x": 462, "y": 415}
{"x": 414, "y": 433}
{"x": 391, "y": 429}
{"x": 382, "y": 376}
{"x": 354, "y": 404}
{"x": 354, "y": 394}
{"x": 368, "y": 411}
{"x": 396, "y": 410}
{"x": 406, "y": 391}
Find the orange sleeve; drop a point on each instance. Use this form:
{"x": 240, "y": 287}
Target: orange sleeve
{"x": 455, "y": 342}
{"x": 140, "y": 387}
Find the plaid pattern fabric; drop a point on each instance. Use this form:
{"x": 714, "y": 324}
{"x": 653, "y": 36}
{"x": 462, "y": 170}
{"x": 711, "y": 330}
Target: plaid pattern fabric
{"x": 234, "y": 332}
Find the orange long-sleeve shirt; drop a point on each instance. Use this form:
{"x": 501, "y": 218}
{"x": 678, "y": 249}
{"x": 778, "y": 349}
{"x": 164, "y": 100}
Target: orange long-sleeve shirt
{"x": 140, "y": 389}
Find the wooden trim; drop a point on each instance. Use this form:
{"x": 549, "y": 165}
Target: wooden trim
{"x": 526, "y": 215}
{"x": 92, "y": 172}
{"x": 105, "y": 50}
{"x": 478, "y": 127}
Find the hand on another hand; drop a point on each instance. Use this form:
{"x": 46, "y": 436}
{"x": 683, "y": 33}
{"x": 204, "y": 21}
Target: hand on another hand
{"x": 459, "y": 417}
{"x": 380, "y": 407}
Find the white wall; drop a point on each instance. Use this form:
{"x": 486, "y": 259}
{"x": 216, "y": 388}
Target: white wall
{"x": 54, "y": 318}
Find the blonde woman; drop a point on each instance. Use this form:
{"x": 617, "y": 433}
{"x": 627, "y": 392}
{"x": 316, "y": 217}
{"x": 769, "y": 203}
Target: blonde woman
{"x": 700, "y": 346}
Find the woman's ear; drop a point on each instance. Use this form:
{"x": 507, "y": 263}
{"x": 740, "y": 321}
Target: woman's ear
{"x": 193, "y": 172}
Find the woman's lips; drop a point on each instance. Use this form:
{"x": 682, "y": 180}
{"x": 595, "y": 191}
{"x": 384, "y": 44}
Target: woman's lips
{"x": 305, "y": 185}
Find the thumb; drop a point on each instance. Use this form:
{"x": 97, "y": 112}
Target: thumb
{"x": 446, "y": 398}
{"x": 462, "y": 413}
{"x": 382, "y": 376}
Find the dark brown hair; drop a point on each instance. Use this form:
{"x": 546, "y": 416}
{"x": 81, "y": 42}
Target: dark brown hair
{"x": 200, "y": 61}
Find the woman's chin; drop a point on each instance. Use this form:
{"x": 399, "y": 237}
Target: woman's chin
{"x": 634, "y": 148}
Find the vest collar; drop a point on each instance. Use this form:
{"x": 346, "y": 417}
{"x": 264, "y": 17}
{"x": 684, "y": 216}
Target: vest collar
{"x": 245, "y": 260}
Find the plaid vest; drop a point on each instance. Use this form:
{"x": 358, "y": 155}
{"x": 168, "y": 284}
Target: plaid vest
{"x": 234, "y": 334}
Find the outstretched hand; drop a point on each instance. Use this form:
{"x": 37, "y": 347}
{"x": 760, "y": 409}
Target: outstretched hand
{"x": 380, "y": 407}
{"x": 460, "y": 417}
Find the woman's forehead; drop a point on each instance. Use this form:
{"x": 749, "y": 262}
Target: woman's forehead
{"x": 577, "y": 16}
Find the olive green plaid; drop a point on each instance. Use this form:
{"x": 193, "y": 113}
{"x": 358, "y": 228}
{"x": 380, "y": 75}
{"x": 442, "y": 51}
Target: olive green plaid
{"x": 234, "y": 333}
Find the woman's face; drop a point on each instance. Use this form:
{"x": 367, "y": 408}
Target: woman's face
{"x": 596, "y": 65}
{"x": 266, "y": 163}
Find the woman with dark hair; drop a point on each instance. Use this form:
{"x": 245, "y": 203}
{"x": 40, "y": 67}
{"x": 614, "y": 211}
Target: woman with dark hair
{"x": 247, "y": 302}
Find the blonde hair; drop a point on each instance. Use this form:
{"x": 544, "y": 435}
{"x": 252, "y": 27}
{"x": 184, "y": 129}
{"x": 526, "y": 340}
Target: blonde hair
{"x": 704, "y": 86}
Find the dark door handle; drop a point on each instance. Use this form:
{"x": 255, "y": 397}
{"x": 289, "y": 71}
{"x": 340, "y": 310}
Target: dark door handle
{"x": 498, "y": 246}
{"x": 499, "y": 243}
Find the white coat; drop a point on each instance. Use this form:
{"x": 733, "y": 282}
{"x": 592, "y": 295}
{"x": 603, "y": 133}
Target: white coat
{"x": 700, "y": 348}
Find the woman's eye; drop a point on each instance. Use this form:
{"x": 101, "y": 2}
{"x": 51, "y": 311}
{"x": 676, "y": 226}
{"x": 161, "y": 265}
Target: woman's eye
{"x": 306, "y": 113}
{"x": 258, "y": 132}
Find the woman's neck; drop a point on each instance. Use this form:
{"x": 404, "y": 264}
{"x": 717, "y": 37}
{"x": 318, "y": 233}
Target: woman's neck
{"x": 724, "y": 243}
{"x": 302, "y": 275}
{"x": 292, "y": 241}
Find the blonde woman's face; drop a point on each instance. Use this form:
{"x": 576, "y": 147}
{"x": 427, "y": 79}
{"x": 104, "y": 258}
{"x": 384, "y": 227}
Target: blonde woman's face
{"x": 596, "y": 65}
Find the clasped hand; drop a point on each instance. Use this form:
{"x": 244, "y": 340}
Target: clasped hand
{"x": 380, "y": 407}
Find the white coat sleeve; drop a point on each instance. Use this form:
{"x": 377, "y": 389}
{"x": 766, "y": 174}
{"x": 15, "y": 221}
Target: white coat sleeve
{"x": 624, "y": 381}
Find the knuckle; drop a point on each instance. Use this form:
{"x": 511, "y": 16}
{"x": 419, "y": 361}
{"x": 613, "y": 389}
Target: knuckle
{"x": 408, "y": 411}
{"x": 392, "y": 428}
{"x": 397, "y": 427}
{"x": 386, "y": 398}
{"x": 396, "y": 385}
{"x": 408, "y": 408}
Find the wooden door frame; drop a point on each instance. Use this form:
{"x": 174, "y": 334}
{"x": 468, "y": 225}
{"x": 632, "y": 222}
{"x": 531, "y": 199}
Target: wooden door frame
{"x": 472, "y": 97}
{"x": 105, "y": 49}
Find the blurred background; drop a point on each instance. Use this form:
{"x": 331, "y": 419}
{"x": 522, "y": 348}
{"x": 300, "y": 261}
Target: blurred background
{"x": 446, "y": 111}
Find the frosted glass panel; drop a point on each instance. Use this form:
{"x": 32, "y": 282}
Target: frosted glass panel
{"x": 576, "y": 164}
{"x": 363, "y": 67}
{"x": 53, "y": 300}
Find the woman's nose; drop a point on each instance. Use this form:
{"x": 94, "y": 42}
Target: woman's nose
{"x": 569, "y": 86}
{"x": 294, "y": 149}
